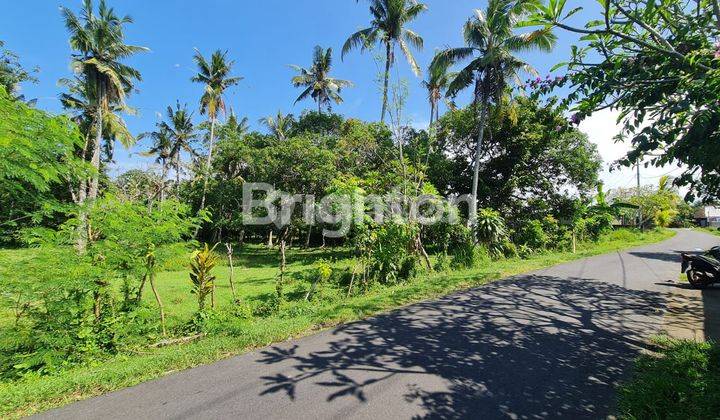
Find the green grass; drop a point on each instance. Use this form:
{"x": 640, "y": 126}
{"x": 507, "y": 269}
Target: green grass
{"x": 255, "y": 281}
{"x": 681, "y": 381}
{"x": 712, "y": 231}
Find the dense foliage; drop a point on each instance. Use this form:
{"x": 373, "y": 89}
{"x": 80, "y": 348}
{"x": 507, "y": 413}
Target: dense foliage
{"x": 92, "y": 244}
{"x": 658, "y": 63}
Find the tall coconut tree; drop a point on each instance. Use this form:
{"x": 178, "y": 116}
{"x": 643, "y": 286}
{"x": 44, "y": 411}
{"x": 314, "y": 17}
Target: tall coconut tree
{"x": 181, "y": 134}
{"x": 79, "y": 101}
{"x": 99, "y": 43}
{"x": 388, "y": 28}
{"x": 279, "y": 125}
{"x": 318, "y": 83}
{"x": 160, "y": 149}
{"x": 436, "y": 84}
{"x": 491, "y": 44}
{"x": 216, "y": 78}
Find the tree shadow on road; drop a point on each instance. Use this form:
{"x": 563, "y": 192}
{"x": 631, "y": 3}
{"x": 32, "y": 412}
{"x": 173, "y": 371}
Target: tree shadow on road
{"x": 532, "y": 346}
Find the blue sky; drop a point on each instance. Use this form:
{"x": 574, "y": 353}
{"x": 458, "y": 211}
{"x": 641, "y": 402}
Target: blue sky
{"x": 262, "y": 37}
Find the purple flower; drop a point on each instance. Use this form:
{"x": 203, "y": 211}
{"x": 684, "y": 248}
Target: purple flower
{"x": 558, "y": 128}
{"x": 538, "y": 80}
{"x": 575, "y": 119}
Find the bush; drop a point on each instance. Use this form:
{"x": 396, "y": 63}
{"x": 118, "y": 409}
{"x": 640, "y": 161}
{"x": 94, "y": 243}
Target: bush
{"x": 598, "y": 225}
{"x": 532, "y": 235}
{"x": 443, "y": 262}
{"x": 390, "y": 254}
{"x": 491, "y": 230}
{"x": 470, "y": 256}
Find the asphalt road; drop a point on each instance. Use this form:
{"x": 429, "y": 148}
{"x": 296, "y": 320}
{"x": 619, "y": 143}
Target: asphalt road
{"x": 551, "y": 344}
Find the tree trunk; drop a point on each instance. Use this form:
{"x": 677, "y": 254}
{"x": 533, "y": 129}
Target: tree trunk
{"x": 159, "y": 302}
{"x": 307, "y": 238}
{"x": 95, "y": 160}
{"x": 270, "y": 239}
{"x": 421, "y": 249}
{"x": 96, "y": 304}
{"x": 386, "y": 82}
{"x": 164, "y": 177}
{"x": 472, "y": 219}
{"x": 177, "y": 174}
{"x": 352, "y": 281}
{"x": 80, "y": 198}
{"x": 208, "y": 168}
{"x": 281, "y": 280}
{"x": 432, "y": 111}
{"x": 232, "y": 269}
{"x": 138, "y": 298}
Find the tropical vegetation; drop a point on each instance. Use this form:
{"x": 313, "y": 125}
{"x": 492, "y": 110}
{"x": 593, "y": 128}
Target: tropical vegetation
{"x": 158, "y": 269}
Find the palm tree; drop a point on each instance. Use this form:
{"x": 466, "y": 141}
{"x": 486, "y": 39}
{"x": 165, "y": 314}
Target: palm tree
{"x": 161, "y": 148}
{"x": 215, "y": 75}
{"x": 389, "y": 18}
{"x": 99, "y": 40}
{"x": 317, "y": 81}
{"x": 438, "y": 81}
{"x": 240, "y": 127}
{"x": 279, "y": 125}
{"x": 491, "y": 42}
{"x": 181, "y": 133}
{"x": 80, "y": 101}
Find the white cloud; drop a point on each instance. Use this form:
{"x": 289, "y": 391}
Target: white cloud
{"x": 601, "y": 128}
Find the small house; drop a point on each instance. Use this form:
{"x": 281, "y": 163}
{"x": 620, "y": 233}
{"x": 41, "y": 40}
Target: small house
{"x": 708, "y": 216}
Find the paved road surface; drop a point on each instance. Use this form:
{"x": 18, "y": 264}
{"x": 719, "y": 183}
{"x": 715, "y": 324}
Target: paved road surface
{"x": 551, "y": 344}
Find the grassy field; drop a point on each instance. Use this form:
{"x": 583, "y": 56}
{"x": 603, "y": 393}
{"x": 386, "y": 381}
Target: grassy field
{"x": 680, "y": 381}
{"x": 255, "y": 280}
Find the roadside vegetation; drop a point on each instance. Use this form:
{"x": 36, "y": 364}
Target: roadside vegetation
{"x": 680, "y": 380}
{"x": 106, "y": 281}
{"x": 248, "y": 320}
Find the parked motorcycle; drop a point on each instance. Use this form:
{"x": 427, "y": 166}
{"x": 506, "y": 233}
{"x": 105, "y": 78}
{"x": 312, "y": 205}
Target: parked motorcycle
{"x": 702, "y": 270}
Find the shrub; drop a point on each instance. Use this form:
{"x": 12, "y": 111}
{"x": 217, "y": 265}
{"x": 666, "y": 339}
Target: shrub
{"x": 598, "y": 225}
{"x": 391, "y": 258}
{"x": 203, "y": 281}
{"x": 322, "y": 274}
{"x": 491, "y": 230}
{"x": 470, "y": 256}
{"x": 443, "y": 262}
{"x": 532, "y": 235}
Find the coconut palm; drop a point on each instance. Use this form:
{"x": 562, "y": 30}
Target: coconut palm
{"x": 240, "y": 127}
{"x": 438, "y": 81}
{"x": 80, "y": 101}
{"x": 161, "y": 148}
{"x": 317, "y": 81}
{"x": 279, "y": 125}
{"x": 389, "y": 18}
{"x": 99, "y": 42}
{"x": 181, "y": 133}
{"x": 215, "y": 76}
{"x": 491, "y": 41}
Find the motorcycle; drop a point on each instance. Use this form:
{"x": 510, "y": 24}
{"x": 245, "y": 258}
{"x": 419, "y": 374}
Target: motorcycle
{"x": 702, "y": 270}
